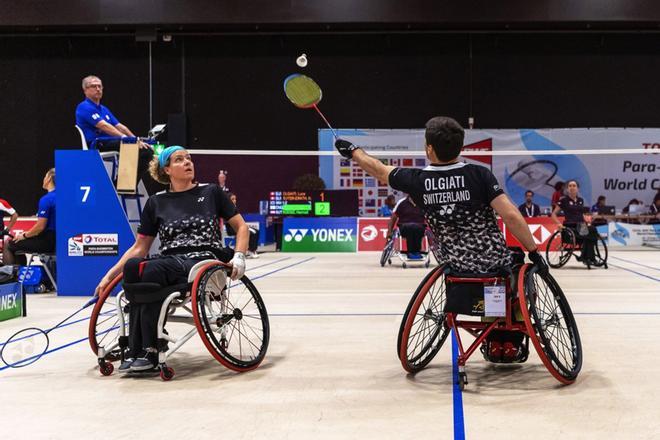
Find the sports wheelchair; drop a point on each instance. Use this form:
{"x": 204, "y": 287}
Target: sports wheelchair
{"x": 392, "y": 249}
{"x": 563, "y": 244}
{"x": 230, "y": 318}
{"x": 535, "y": 309}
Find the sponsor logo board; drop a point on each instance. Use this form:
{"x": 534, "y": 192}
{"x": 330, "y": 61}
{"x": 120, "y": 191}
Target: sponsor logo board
{"x": 83, "y": 245}
{"x": 319, "y": 234}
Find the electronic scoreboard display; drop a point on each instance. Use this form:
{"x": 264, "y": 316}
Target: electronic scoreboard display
{"x": 326, "y": 203}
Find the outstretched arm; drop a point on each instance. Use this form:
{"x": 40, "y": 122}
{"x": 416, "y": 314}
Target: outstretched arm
{"x": 371, "y": 165}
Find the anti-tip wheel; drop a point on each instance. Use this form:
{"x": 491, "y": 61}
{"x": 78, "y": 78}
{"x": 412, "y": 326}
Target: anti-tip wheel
{"x": 166, "y": 373}
{"x": 405, "y": 265}
{"x": 106, "y": 368}
{"x": 462, "y": 381}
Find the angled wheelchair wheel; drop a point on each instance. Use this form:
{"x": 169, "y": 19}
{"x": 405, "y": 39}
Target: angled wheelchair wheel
{"x": 600, "y": 253}
{"x": 387, "y": 253}
{"x": 231, "y": 318}
{"x": 550, "y": 324}
{"x": 560, "y": 248}
{"x": 423, "y": 329}
{"x": 105, "y": 323}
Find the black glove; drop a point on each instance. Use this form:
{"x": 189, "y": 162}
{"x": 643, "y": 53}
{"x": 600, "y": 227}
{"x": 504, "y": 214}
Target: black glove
{"x": 4, "y": 232}
{"x": 539, "y": 262}
{"x": 345, "y": 148}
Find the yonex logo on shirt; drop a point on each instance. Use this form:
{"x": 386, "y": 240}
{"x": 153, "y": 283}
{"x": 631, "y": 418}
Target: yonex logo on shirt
{"x": 201, "y": 199}
{"x": 95, "y": 116}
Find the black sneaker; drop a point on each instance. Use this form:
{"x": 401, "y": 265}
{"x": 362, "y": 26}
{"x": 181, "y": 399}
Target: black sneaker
{"x": 125, "y": 366}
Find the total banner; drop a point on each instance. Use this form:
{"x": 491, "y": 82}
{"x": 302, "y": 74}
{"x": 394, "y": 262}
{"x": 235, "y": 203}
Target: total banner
{"x": 335, "y": 234}
{"x": 624, "y": 234}
{"x": 619, "y": 178}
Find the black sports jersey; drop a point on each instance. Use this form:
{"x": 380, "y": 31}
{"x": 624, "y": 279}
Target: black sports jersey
{"x": 187, "y": 222}
{"x": 573, "y": 209}
{"x": 456, "y": 200}
{"x": 408, "y": 212}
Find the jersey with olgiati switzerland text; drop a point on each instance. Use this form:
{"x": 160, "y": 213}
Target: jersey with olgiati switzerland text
{"x": 187, "y": 222}
{"x": 456, "y": 200}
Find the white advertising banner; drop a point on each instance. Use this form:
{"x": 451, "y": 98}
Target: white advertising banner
{"x": 624, "y": 234}
{"x": 620, "y": 177}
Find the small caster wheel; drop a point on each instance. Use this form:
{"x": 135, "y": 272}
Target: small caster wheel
{"x": 382, "y": 264}
{"x": 166, "y": 373}
{"x": 389, "y": 262}
{"x": 462, "y": 381}
{"x": 106, "y": 368}
{"x": 405, "y": 265}
{"x": 605, "y": 265}
{"x": 427, "y": 264}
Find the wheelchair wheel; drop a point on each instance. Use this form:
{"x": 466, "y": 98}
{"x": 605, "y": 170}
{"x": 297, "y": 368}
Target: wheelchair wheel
{"x": 231, "y": 318}
{"x": 104, "y": 324}
{"x": 600, "y": 253}
{"x": 550, "y": 324}
{"x": 560, "y": 248}
{"x": 423, "y": 328}
{"x": 387, "y": 253}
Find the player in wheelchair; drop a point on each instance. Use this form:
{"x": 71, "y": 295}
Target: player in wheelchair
{"x": 576, "y": 233}
{"x": 407, "y": 221}
{"x": 190, "y": 274}
{"x": 516, "y": 303}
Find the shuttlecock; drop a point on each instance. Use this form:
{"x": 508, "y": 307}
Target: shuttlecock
{"x": 301, "y": 61}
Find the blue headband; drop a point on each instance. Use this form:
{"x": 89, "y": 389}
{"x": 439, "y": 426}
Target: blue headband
{"x": 166, "y": 153}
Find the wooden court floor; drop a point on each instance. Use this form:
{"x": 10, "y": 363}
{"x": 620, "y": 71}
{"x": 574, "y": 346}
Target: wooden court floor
{"x": 332, "y": 371}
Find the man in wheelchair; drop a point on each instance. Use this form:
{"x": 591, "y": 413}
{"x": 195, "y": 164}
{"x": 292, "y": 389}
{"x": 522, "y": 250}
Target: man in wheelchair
{"x": 459, "y": 202}
{"x": 410, "y": 221}
{"x": 186, "y": 219}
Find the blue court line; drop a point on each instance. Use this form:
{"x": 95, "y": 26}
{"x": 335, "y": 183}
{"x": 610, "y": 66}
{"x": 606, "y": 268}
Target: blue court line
{"x": 86, "y": 339}
{"x": 635, "y": 272}
{"x": 638, "y": 264}
{"x": 105, "y": 313}
{"x": 459, "y": 422}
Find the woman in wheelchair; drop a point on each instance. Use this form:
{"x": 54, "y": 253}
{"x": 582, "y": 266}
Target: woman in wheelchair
{"x": 186, "y": 219}
{"x": 576, "y": 220}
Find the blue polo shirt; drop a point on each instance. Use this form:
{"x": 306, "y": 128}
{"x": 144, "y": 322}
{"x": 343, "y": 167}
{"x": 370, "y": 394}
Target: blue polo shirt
{"x": 47, "y": 209}
{"x": 88, "y": 114}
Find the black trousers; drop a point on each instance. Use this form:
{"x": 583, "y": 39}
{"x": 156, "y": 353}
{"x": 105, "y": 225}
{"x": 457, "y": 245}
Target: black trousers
{"x": 42, "y": 243}
{"x": 413, "y": 233}
{"x": 587, "y": 241}
{"x": 143, "y": 318}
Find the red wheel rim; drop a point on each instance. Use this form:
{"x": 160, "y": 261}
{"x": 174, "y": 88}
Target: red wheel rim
{"x": 97, "y": 309}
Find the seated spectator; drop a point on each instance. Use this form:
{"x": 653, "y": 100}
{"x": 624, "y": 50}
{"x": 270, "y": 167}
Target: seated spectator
{"x": 5, "y": 208}
{"x": 600, "y": 204}
{"x": 388, "y": 205}
{"x": 97, "y": 121}
{"x": 253, "y": 244}
{"x": 631, "y": 207}
{"x": 558, "y": 194}
{"x": 411, "y": 222}
{"x": 41, "y": 237}
{"x": 529, "y": 208}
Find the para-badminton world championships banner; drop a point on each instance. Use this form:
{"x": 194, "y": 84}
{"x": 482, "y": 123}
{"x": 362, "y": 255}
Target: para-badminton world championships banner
{"x": 620, "y": 178}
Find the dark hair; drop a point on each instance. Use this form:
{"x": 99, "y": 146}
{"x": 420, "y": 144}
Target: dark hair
{"x": 529, "y": 191}
{"x": 600, "y": 198}
{"x": 573, "y": 180}
{"x": 446, "y": 137}
{"x": 559, "y": 186}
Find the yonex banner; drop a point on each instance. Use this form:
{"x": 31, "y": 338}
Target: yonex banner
{"x": 11, "y": 301}
{"x": 319, "y": 234}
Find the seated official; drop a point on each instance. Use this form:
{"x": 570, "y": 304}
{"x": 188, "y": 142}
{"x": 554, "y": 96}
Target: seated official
{"x": 186, "y": 218}
{"x": 411, "y": 223}
{"x": 41, "y": 237}
{"x": 97, "y": 121}
{"x": 529, "y": 208}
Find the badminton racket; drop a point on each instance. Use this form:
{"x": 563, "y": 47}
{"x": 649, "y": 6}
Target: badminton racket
{"x": 303, "y": 92}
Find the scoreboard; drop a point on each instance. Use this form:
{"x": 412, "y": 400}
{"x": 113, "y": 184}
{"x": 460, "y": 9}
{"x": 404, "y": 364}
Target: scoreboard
{"x": 326, "y": 203}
